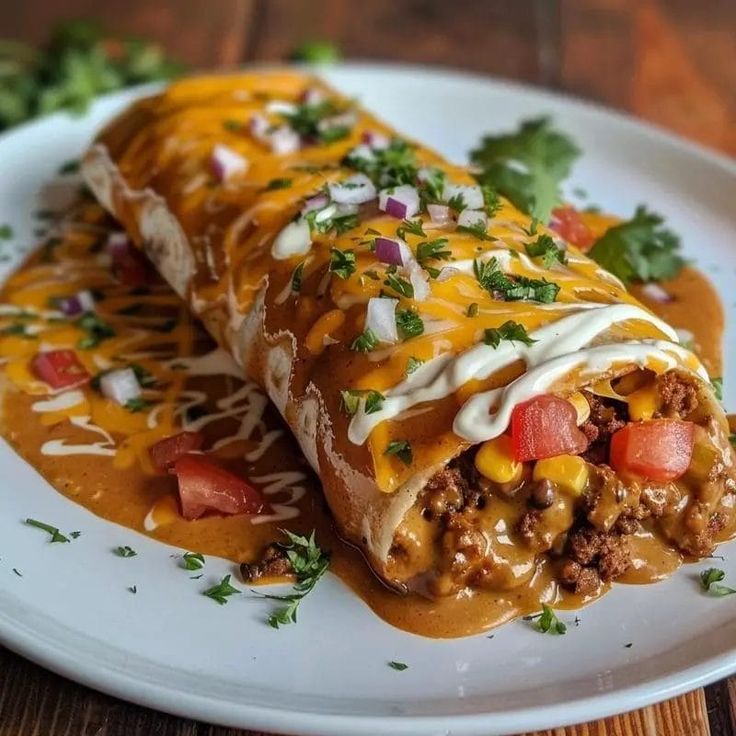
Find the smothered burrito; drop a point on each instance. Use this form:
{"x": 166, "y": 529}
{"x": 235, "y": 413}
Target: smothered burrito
{"x": 476, "y": 395}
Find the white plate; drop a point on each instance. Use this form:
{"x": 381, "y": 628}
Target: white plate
{"x": 170, "y": 648}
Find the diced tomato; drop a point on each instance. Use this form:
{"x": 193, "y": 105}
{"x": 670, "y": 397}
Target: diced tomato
{"x": 567, "y": 222}
{"x": 545, "y": 426}
{"x": 659, "y": 449}
{"x": 60, "y": 369}
{"x": 206, "y": 486}
{"x": 168, "y": 450}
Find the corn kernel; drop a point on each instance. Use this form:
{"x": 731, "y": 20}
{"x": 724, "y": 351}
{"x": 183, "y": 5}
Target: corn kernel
{"x": 582, "y": 407}
{"x": 643, "y": 403}
{"x": 568, "y": 471}
{"x": 495, "y": 461}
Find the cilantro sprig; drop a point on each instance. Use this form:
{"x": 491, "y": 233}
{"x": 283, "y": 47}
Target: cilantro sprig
{"x": 310, "y": 563}
{"x": 549, "y": 251}
{"x": 710, "y": 580}
{"x": 222, "y": 591}
{"x": 496, "y": 282}
{"x": 547, "y": 621}
{"x": 528, "y": 165}
{"x": 400, "y": 449}
{"x": 55, "y": 534}
{"x": 342, "y": 262}
{"x": 350, "y": 399}
{"x": 510, "y": 331}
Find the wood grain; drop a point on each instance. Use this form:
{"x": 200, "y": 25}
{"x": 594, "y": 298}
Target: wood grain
{"x": 672, "y": 62}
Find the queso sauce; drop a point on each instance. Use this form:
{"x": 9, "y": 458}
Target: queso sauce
{"x": 96, "y": 452}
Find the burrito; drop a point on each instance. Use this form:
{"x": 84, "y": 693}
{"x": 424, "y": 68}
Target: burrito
{"x": 473, "y": 392}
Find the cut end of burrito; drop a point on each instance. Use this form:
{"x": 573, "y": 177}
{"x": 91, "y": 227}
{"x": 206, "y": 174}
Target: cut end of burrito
{"x": 475, "y": 394}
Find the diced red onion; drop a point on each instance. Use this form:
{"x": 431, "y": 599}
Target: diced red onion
{"x": 472, "y": 218}
{"x": 381, "y": 318}
{"x": 439, "y": 213}
{"x": 227, "y": 163}
{"x": 121, "y": 386}
{"x": 447, "y": 272}
{"x": 318, "y": 202}
{"x": 295, "y": 239}
{"x": 356, "y": 189}
{"x": 472, "y": 194}
{"x": 656, "y": 293}
{"x": 117, "y": 244}
{"x": 400, "y": 202}
{"x": 389, "y": 251}
{"x": 82, "y": 301}
{"x": 420, "y": 282}
{"x": 284, "y": 140}
{"x": 374, "y": 139}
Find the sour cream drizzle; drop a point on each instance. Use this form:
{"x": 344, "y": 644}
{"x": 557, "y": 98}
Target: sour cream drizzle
{"x": 559, "y": 348}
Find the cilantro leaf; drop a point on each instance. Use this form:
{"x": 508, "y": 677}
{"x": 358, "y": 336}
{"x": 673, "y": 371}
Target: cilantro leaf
{"x": 399, "y": 285}
{"x": 316, "y": 52}
{"x": 97, "y": 330}
{"x": 710, "y": 581}
{"x": 433, "y": 250}
{"x": 125, "y": 551}
{"x": 222, "y": 591}
{"x": 279, "y": 183}
{"x": 410, "y": 324}
{"x": 413, "y": 364}
{"x": 296, "y": 278}
{"x": 56, "y": 535}
{"x": 546, "y": 247}
{"x": 401, "y": 449}
{"x": 547, "y": 621}
{"x": 497, "y": 283}
{"x": 365, "y": 342}
{"x": 639, "y": 249}
{"x": 350, "y": 399}
{"x": 414, "y": 227}
{"x": 528, "y": 165}
{"x": 390, "y": 166}
{"x": 399, "y": 666}
{"x": 510, "y": 330}
{"x": 342, "y": 262}
{"x": 717, "y": 384}
{"x": 192, "y": 561}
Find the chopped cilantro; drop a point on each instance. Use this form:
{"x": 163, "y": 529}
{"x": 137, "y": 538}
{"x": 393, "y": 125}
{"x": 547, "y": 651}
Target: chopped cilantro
{"x": 398, "y": 666}
{"x": 316, "y": 52}
{"x": 133, "y": 589}
{"x": 351, "y": 400}
{"x": 472, "y": 310}
{"x": 97, "y": 330}
{"x": 477, "y": 230}
{"x": 547, "y": 621}
{"x": 390, "y": 166}
{"x": 430, "y": 189}
{"x": 717, "y": 384}
{"x": 490, "y": 200}
{"x": 401, "y": 449}
{"x": 710, "y": 581}
{"x": 494, "y": 281}
{"x": 233, "y": 126}
{"x": 296, "y": 278}
{"x": 365, "y": 342}
{"x": 433, "y": 250}
{"x": 639, "y": 249}
{"x": 280, "y": 183}
{"x": 69, "y": 167}
{"x": 457, "y": 203}
{"x": 56, "y": 535}
{"x": 510, "y": 330}
{"x": 125, "y": 551}
{"x": 19, "y": 329}
{"x": 413, "y": 227}
{"x": 138, "y": 404}
{"x": 528, "y": 165}
{"x": 6, "y": 232}
{"x": 192, "y": 561}
{"x": 546, "y": 247}
{"x": 410, "y": 324}
{"x": 413, "y": 364}
{"x": 342, "y": 262}
{"x": 310, "y": 563}
{"x": 222, "y": 591}
{"x": 305, "y": 120}
{"x": 399, "y": 285}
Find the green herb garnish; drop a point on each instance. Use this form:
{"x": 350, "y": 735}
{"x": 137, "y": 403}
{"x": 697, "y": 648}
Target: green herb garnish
{"x": 316, "y": 52}
{"x": 639, "y": 249}
{"x": 410, "y": 324}
{"x": 97, "y": 330}
{"x": 494, "y": 281}
{"x": 365, "y": 342}
{"x": 527, "y": 166}
{"x": 472, "y": 310}
{"x": 310, "y": 563}
{"x": 138, "y": 404}
{"x": 477, "y": 230}
{"x": 413, "y": 227}
{"x": 222, "y": 591}
{"x": 433, "y": 250}
{"x": 399, "y": 285}
{"x": 399, "y": 666}
{"x": 351, "y": 400}
{"x": 546, "y": 247}
{"x": 710, "y": 581}
{"x": 56, "y": 535}
{"x": 413, "y": 364}
{"x": 388, "y": 167}
{"x": 125, "y": 551}
{"x": 401, "y": 449}
{"x": 278, "y": 184}
{"x": 342, "y": 262}
{"x": 69, "y": 167}
{"x": 717, "y": 384}
{"x": 510, "y": 330}
{"x": 305, "y": 120}
{"x": 192, "y": 561}
{"x": 547, "y": 621}
{"x": 296, "y": 278}
{"x": 6, "y": 232}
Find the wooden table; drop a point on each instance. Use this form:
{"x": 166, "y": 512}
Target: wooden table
{"x": 672, "y": 62}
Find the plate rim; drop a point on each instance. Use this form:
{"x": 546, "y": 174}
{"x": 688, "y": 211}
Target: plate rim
{"x": 58, "y": 658}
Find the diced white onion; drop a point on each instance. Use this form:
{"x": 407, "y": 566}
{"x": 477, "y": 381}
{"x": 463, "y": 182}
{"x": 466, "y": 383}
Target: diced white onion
{"x": 447, "y": 272}
{"x": 227, "y": 163}
{"x": 295, "y": 239}
{"x": 362, "y": 153}
{"x": 326, "y": 214}
{"x": 356, "y": 189}
{"x": 400, "y": 202}
{"x": 656, "y": 293}
{"x": 381, "y": 318}
{"x": 281, "y": 107}
{"x": 419, "y": 280}
{"x": 121, "y": 385}
{"x": 472, "y": 218}
{"x": 284, "y": 140}
{"x": 472, "y": 194}
{"x": 439, "y": 213}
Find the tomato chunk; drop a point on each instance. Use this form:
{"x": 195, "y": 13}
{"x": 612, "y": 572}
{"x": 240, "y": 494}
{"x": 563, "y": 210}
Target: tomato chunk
{"x": 168, "y": 450}
{"x": 567, "y": 222}
{"x": 545, "y": 426}
{"x": 206, "y": 486}
{"x": 61, "y": 369}
{"x": 659, "y": 449}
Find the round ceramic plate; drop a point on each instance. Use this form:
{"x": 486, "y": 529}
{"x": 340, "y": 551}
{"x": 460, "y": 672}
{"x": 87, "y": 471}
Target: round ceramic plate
{"x": 69, "y": 608}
